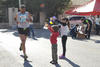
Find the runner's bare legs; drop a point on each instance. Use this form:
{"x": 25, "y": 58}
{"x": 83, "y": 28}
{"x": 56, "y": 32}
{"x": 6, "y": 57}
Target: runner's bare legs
{"x": 23, "y": 40}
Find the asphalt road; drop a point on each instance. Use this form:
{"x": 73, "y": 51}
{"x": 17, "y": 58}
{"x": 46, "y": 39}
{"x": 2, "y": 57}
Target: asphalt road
{"x": 80, "y": 53}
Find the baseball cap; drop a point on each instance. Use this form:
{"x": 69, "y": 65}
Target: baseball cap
{"x": 23, "y": 6}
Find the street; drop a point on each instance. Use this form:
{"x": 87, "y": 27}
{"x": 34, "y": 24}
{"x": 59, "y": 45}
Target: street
{"x": 80, "y": 53}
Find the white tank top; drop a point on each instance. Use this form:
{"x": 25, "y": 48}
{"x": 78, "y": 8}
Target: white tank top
{"x": 22, "y": 20}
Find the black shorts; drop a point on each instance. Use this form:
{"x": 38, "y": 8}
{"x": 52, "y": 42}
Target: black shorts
{"x": 23, "y": 31}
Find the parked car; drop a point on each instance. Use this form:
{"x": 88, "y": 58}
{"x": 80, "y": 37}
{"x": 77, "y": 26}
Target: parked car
{"x": 75, "y": 20}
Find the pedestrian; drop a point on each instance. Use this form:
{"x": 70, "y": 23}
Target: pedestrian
{"x": 31, "y": 30}
{"x": 64, "y": 31}
{"x": 23, "y": 18}
{"x": 97, "y": 23}
{"x": 54, "y": 29}
{"x": 88, "y": 24}
{"x": 74, "y": 31}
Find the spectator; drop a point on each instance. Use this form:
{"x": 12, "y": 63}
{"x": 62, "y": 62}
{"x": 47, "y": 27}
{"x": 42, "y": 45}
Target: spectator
{"x": 97, "y": 22}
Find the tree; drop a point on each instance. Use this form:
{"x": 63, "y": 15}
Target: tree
{"x": 9, "y": 3}
{"x": 55, "y": 7}
{"x": 50, "y": 7}
{"x": 12, "y": 3}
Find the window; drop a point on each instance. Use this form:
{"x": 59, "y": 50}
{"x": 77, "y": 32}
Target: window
{"x": 3, "y": 14}
{"x": 76, "y": 18}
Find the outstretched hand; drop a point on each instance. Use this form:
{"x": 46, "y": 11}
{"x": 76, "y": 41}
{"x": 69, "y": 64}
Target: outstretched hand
{"x": 46, "y": 25}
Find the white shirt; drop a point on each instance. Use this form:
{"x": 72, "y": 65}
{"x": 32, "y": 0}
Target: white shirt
{"x": 97, "y": 21}
{"x": 22, "y": 19}
{"x": 64, "y": 30}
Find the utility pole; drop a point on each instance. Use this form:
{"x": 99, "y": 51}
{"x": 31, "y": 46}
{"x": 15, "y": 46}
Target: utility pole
{"x": 19, "y": 3}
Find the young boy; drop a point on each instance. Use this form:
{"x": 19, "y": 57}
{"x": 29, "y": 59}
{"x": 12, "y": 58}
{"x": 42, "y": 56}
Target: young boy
{"x": 53, "y": 39}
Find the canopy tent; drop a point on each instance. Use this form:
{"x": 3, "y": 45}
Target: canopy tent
{"x": 90, "y": 8}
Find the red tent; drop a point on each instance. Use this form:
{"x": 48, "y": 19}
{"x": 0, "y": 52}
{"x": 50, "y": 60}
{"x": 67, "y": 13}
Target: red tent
{"x": 90, "y": 8}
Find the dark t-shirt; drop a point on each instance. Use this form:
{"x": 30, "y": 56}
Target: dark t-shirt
{"x": 87, "y": 21}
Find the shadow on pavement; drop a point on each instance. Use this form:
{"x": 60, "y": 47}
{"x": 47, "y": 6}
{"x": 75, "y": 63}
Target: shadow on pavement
{"x": 57, "y": 65}
{"x": 85, "y": 40}
{"x": 34, "y": 38}
{"x": 16, "y": 34}
{"x": 42, "y": 33}
{"x": 39, "y": 33}
{"x": 72, "y": 63}
{"x": 23, "y": 57}
{"x": 96, "y": 41}
{"x": 27, "y": 64}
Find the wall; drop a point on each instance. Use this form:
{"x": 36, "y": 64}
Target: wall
{"x": 42, "y": 18}
{"x": 11, "y": 14}
{"x": 4, "y": 25}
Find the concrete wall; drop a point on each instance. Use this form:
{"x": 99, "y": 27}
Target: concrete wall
{"x": 4, "y": 25}
{"x": 11, "y": 14}
{"x": 42, "y": 18}
{"x": 11, "y": 23}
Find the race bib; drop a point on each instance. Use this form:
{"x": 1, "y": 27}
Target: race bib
{"x": 22, "y": 18}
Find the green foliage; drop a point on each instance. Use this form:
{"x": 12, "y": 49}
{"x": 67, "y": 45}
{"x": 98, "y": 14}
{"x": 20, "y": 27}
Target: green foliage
{"x": 51, "y": 7}
{"x": 9, "y": 3}
{"x": 33, "y": 5}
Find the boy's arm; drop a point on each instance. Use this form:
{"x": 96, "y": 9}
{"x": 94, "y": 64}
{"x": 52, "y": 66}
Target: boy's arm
{"x": 50, "y": 28}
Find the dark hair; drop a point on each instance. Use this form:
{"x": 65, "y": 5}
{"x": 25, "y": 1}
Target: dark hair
{"x": 55, "y": 28}
{"x": 77, "y": 25}
{"x": 97, "y": 16}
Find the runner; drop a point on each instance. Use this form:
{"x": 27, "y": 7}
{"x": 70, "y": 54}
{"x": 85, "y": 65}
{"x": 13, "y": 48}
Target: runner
{"x": 23, "y": 18}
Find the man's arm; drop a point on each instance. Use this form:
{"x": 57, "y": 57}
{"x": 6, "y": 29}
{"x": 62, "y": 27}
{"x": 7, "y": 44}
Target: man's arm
{"x": 88, "y": 26}
{"x": 15, "y": 18}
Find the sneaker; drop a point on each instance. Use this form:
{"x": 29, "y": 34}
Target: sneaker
{"x": 53, "y": 62}
{"x": 61, "y": 57}
{"x": 20, "y": 47}
{"x": 25, "y": 57}
{"x": 34, "y": 38}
